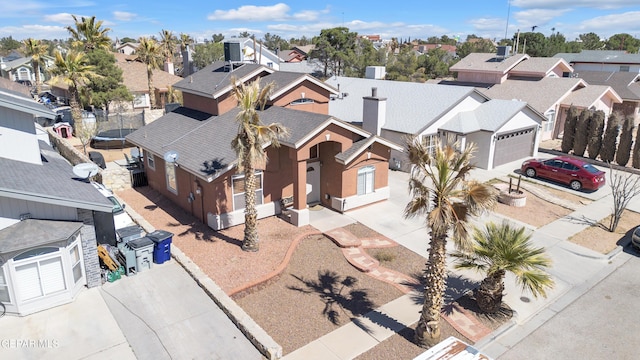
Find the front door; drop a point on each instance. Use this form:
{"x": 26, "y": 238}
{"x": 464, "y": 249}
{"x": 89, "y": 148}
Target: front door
{"x": 313, "y": 182}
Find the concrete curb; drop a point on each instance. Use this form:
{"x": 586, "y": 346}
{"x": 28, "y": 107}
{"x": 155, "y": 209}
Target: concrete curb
{"x": 498, "y": 332}
{"x": 258, "y": 337}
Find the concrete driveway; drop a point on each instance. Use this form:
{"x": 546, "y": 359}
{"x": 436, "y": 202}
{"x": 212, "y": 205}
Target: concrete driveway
{"x": 164, "y": 314}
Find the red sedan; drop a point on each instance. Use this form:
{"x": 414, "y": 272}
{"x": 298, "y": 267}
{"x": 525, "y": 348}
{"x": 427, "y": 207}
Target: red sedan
{"x": 567, "y": 170}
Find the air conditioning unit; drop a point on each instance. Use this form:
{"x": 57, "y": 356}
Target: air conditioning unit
{"x": 232, "y": 52}
{"x": 503, "y": 51}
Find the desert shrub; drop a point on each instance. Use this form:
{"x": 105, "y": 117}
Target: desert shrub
{"x": 610, "y": 140}
{"x": 582, "y": 133}
{"x": 596, "y": 128}
{"x": 569, "y": 131}
{"x": 626, "y": 140}
{"x": 385, "y": 256}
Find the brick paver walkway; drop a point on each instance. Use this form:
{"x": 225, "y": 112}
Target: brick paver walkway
{"x": 353, "y": 251}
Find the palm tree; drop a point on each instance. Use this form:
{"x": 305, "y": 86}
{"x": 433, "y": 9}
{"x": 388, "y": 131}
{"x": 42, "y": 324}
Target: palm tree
{"x": 73, "y": 70}
{"x": 37, "y": 51}
{"x": 439, "y": 188}
{"x": 249, "y": 144}
{"x": 168, "y": 43}
{"x": 150, "y": 53}
{"x": 89, "y": 34}
{"x": 499, "y": 249}
{"x": 185, "y": 40}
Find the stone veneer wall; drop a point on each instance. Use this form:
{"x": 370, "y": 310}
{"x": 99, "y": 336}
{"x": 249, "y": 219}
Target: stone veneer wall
{"x": 90, "y": 249}
{"x": 73, "y": 155}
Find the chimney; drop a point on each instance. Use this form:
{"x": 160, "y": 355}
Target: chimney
{"x": 374, "y": 112}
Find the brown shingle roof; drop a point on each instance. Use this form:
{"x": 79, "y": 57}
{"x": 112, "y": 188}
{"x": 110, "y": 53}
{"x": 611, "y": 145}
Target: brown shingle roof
{"x": 487, "y": 62}
{"x": 588, "y": 96}
{"x": 540, "y": 66}
{"x": 541, "y": 94}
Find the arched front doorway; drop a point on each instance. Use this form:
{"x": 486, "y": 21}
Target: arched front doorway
{"x": 313, "y": 182}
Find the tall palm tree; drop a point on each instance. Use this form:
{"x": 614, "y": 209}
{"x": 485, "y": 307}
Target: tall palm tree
{"x": 499, "y": 249}
{"x": 89, "y": 34}
{"x": 249, "y": 144}
{"x": 150, "y": 53}
{"x": 73, "y": 70}
{"x": 168, "y": 42}
{"x": 185, "y": 40}
{"x": 439, "y": 188}
{"x": 37, "y": 51}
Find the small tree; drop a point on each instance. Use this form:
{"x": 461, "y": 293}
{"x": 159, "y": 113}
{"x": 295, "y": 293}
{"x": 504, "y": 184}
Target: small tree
{"x": 610, "y": 140}
{"x": 635, "y": 160}
{"x": 623, "y": 189}
{"x": 569, "y": 132}
{"x": 84, "y": 131}
{"x": 582, "y": 133}
{"x": 499, "y": 249}
{"x": 596, "y": 129}
{"x": 626, "y": 140}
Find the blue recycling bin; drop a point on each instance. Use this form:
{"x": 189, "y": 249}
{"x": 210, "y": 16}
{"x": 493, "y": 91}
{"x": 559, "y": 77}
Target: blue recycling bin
{"x": 162, "y": 245}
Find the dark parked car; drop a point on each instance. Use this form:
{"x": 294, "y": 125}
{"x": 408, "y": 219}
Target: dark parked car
{"x": 576, "y": 173}
{"x": 635, "y": 238}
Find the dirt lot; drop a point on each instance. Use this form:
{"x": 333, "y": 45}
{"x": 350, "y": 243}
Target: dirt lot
{"x": 597, "y": 238}
{"x": 538, "y": 212}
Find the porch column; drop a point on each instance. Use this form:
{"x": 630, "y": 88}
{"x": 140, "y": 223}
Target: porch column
{"x": 300, "y": 213}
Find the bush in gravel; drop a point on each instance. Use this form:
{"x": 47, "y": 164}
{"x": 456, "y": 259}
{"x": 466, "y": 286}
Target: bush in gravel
{"x": 626, "y": 140}
{"x": 596, "y": 128}
{"x": 385, "y": 256}
{"x": 610, "y": 140}
{"x": 569, "y": 130}
{"x": 582, "y": 133}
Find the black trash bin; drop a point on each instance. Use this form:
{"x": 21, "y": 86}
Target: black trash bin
{"x": 129, "y": 233}
{"x": 162, "y": 245}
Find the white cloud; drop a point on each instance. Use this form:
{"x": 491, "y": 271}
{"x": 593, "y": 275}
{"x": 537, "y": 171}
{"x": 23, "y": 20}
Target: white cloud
{"x": 555, "y": 4}
{"x": 124, "y": 16}
{"x": 488, "y": 24}
{"x": 62, "y": 18}
{"x": 536, "y": 17}
{"x": 252, "y": 13}
{"x": 628, "y": 22}
{"x": 34, "y": 31}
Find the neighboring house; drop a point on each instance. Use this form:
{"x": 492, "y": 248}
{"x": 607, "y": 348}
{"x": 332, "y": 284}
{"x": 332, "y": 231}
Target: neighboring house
{"x": 127, "y": 48}
{"x": 625, "y": 84}
{"x": 546, "y": 84}
{"x": 297, "y": 54}
{"x": 189, "y": 158}
{"x": 50, "y": 222}
{"x": 602, "y": 60}
{"x": 504, "y": 131}
{"x": 22, "y": 69}
{"x": 424, "y": 48}
{"x": 135, "y": 78}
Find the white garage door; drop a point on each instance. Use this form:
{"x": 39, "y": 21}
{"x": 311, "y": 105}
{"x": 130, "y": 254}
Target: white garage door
{"x": 514, "y": 146}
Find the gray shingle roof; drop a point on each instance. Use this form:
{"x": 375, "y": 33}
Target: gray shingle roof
{"x": 541, "y": 94}
{"x": 624, "y": 83}
{"x": 487, "y": 62}
{"x": 355, "y": 148}
{"x": 215, "y": 77}
{"x": 538, "y": 65}
{"x": 601, "y": 56}
{"x": 489, "y": 116}
{"x": 52, "y": 182}
{"x": 410, "y": 106}
{"x": 203, "y": 142}
{"x": 31, "y": 233}
{"x": 587, "y": 96}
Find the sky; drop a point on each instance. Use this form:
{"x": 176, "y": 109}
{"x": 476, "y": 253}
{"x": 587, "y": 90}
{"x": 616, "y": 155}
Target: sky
{"x": 293, "y": 19}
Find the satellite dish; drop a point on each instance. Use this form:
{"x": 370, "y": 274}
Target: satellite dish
{"x": 85, "y": 170}
{"x": 171, "y": 156}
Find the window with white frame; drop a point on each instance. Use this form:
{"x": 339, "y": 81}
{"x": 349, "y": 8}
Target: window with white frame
{"x": 4, "y": 287}
{"x": 76, "y": 263}
{"x": 141, "y": 100}
{"x": 430, "y": 142}
{"x": 24, "y": 74}
{"x": 151, "y": 161}
{"x": 551, "y": 121}
{"x": 39, "y": 278}
{"x": 366, "y": 176}
{"x": 237, "y": 187}
{"x": 170, "y": 173}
